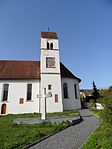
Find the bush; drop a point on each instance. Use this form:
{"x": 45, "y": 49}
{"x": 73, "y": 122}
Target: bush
{"x": 92, "y": 104}
{"x": 106, "y": 114}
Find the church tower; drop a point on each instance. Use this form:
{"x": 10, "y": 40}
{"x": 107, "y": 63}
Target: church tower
{"x": 50, "y": 71}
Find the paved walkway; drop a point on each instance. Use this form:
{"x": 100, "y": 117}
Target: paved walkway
{"x": 73, "y": 137}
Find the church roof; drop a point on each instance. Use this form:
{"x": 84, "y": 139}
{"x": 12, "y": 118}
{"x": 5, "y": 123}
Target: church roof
{"x": 51, "y": 35}
{"x": 66, "y": 73}
{"x": 13, "y": 69}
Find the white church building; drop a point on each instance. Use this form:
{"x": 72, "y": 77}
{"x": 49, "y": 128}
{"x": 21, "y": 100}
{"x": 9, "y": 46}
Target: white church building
{"x": 21, "y": 82}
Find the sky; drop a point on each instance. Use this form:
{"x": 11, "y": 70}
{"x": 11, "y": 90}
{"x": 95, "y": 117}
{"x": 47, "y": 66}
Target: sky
{"x": 84, "y": 29}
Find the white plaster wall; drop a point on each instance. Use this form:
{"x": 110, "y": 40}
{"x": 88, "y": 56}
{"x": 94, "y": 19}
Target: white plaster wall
{"x": 45, "y": 40}
{"x": 55, "y": 81}
{"x": 71, "y": 103}
{"x": 17, "y": 90}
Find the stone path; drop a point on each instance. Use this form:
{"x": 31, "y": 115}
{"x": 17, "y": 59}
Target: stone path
{"x": 59, "y": 119}
{"x": 73, "y": 137}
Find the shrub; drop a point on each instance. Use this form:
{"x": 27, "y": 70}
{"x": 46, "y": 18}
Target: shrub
{"x": 92, "y": 104}
{"x": 106, "y": 114}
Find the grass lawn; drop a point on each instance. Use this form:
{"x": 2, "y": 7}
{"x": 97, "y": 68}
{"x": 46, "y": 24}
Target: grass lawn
{"x": 18, "y": 136}
{"x": 101, "y": 138}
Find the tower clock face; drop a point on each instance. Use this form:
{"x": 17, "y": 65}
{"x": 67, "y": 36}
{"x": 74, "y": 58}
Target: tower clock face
{"x": 50, "y": 62}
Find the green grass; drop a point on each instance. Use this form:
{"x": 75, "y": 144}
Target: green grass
{"x": 18, "y": 136}
{"x": 102, "y": 137}
{"x": 65, "y": 113}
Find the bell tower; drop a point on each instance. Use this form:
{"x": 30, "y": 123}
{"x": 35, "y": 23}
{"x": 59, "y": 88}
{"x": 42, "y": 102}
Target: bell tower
{"x": 50, "y": 71}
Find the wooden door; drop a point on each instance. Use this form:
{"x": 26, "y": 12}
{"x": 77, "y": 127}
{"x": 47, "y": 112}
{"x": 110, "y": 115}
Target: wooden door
{"x": 3, "y": 109}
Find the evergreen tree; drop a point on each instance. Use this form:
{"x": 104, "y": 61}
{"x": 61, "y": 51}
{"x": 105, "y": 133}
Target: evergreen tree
{"x": 95, "y": 93}
{"x": 110, "y": 88}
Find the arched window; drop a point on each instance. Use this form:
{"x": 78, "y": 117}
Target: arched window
{"x": 47, "y": 45}
{"x": 3, "y": 108}
{"x": 5, "y": 92}
{"x": 29, "y": 92}
{"x": 51, "y": 45}
{"x": 65, "y": 90}
{"x": 75, "y": 89}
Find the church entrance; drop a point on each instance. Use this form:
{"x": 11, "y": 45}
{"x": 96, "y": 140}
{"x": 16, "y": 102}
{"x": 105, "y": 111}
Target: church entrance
{"x": 3, "y": 109}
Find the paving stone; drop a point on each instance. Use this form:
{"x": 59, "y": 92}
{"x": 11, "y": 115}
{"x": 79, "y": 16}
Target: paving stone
{"x": 60, "y": 119}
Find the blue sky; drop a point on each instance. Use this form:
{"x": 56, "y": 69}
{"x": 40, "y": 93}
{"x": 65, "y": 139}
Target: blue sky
{"x": 84, "y": 28}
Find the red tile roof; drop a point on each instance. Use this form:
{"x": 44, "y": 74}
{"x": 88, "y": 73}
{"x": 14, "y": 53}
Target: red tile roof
{"x": 19, "y": 69}
{"x": 51, "y": 35}
{"x": 13, "y": 69}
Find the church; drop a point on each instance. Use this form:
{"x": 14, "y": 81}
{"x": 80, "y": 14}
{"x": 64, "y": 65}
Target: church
{"x": 22, "y": 82}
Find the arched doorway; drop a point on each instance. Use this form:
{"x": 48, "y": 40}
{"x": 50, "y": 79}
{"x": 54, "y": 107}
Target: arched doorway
{"x": 3, "y": 108}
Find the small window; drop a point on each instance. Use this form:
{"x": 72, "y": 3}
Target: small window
{"x": 29, "y": 92}
{"x": 51, "y": 45}
{"x": 21, "y": 100}
{"x": 49, "y": 87}
{"x": 75, "y": 89}
{"x": 47, "y": 45}
{"x": 5, "y": 92}
{"x": 65, "y": 90}
{"x": 56, "y": 97}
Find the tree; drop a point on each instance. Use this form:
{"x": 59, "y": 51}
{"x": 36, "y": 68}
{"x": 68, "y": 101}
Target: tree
{"x": 95, "y": 93}
{"x": 110, "y": 88}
